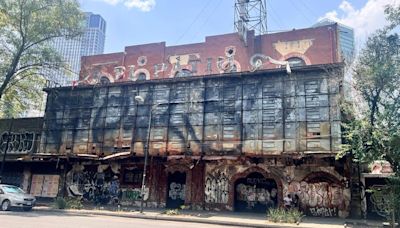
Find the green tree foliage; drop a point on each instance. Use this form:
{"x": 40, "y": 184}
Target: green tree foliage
{"x": 372, "y": 126}
{"x": 374, "y": 133}
{"x": 27, "y": 28}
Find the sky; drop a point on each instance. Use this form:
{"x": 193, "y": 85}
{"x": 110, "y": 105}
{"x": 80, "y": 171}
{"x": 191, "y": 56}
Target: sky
{"x": 132, "y": 22}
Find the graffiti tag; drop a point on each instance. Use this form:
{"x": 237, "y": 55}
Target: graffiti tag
{"x": 323, "y": 211}
{"x": 18, "y": 142}
{"x": 217, "y": 188}
{"x": 134, "y": 194}
{"x": 176, "y": 191}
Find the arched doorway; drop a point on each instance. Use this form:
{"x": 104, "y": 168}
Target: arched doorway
{"x": 176, "y": 189}
{"x": 255, "y": 193}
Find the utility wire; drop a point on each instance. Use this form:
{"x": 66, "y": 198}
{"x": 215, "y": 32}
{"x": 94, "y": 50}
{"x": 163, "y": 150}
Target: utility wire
{"x": 194, "y": 21}
{"x": 305, "y": 4}
{"x": 276, "y": 18}
{"x": 301, "y": 11}
{"x": 206, "y": 21}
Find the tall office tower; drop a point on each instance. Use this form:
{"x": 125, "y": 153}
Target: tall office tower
{"x": 345, "y": 39}
{"x": 91, "y": 42}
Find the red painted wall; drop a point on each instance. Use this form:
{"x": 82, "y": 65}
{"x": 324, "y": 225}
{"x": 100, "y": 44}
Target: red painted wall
{"x": 154, "y": 61}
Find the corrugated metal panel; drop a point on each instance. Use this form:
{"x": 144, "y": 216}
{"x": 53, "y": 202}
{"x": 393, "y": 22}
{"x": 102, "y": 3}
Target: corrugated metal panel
{"x": 260, "y": 114}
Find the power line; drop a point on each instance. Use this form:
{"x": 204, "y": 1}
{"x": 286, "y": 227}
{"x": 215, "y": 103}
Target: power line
{"x": 194, "y": 21}
{"x": 309, "y": 8}
{"x": 206, "y": 21}
{"x": 274, "y": 16}
{"x": 301, "y": 11}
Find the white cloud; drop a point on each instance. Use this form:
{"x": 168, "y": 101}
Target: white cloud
{"x": 143, "y": 5}
{"x": 364, "y": 21}
{"x": 112, "y": 2}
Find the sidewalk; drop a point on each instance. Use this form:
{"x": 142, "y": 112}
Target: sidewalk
{"x": 218, "y": 218}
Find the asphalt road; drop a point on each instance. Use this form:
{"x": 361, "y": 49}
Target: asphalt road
{"x": 19, "y": 219}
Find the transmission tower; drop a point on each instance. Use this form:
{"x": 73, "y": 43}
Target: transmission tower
{"x": 250, "y": 15}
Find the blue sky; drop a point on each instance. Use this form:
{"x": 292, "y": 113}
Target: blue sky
{"x": 131, "y": 22}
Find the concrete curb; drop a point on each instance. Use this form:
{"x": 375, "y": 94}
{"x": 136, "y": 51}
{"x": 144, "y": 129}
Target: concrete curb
{"x": 166, "y": 218}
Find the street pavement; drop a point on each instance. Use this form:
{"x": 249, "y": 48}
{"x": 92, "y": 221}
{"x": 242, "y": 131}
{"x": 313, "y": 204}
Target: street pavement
{"x": 45, "y": 217}
{"x": 48, "y": 219}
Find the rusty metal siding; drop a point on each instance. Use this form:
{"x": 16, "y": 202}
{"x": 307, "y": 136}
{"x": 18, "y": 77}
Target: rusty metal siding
{"x": 254, "y": 115}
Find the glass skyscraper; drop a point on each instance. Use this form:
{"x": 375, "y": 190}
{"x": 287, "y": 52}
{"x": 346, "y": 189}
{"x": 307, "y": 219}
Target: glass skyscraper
{"x": 91, "y": 42}
{"x": 346, "y": 39}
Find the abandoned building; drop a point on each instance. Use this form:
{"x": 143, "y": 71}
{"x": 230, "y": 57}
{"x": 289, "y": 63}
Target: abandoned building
{"x": 229, "y": 125}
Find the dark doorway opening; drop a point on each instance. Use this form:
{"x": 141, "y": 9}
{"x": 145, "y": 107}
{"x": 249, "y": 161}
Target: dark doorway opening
{"x": 176, "y": 189}
{"x": 255, "y": 193}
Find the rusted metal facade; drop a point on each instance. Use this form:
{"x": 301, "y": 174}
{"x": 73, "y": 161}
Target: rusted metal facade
{"x": 239, "y": 141}
{"x": 266, "y": 113}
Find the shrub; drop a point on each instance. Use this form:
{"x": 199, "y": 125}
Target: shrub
{"x": 282, "y": 215}
{"x": 60, "y": 203}
{"x": 74, "y": 203}
{"x": 172, "y": 212}
{"x": 67, "y": 203}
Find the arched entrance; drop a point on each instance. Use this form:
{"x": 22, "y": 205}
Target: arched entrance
{"x": 255, "y": 193}
{"x": 176, "y": 189}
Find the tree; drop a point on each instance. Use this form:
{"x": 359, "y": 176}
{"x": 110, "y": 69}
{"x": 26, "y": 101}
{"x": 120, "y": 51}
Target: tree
{"x": 27, "y": 28}
{"x": 374, "y": 132}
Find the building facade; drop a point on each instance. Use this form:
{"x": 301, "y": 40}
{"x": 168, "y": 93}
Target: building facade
{"x": 345, "y": 39}
{"x": 228, "y": 125}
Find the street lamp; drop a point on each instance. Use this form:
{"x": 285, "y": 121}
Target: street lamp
{"x": 140, "y": 99}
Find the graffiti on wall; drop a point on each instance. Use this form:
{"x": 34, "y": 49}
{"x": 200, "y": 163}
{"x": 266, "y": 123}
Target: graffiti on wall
{"x": 217, "y": 186}
{"x": 133, "y": 194}
{"x": 99, "y": 186}
{"x": 320, "y": 198}
{"x": 379, "y": 199}
{"x": 176, "y": 191}
{"x": 255, "y": 193}
{"x": 18, "y": 142}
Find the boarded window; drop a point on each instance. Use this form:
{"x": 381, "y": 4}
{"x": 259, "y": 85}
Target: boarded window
{"x": 313, "y": 114}
{"x": 211, "y": 132}
{"x": 230, "y": 93}
{"x": 250, "y": 91}
{"x": 160, "y": 120}
{"x": 196, "y": 119}
{"x": 311, "y": 144}
{"x": 177, "y": 119}
{"x": 213, "y": 93}
{"x": 212, "y": 118}
{"x": 269, "y": 115}
{"x": 158, "y": 134}
{"x": 231, "y": 117}
{"x": 132, "y": 176}
{"x": 313, "y": 129}
{"x": 177, "y": 134}
{"x": 161, "y": 96}
{"x": 268, "y": 131}
{"x": 212, "y": 106}
{"x": 311, "y": 87}
{"x": 251, "y": 117}
{"x": 312, "y": 101}
{"x": 268, "y": 145}
{"x": 251, "y": 131}
{"x": 178, "y": 108}
{"x": 230, "y": 132}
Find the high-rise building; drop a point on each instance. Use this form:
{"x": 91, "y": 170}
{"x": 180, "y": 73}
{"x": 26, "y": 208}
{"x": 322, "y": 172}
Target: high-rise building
{"x": 345, "y": 39}
{"x": 91, "y": 42}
